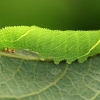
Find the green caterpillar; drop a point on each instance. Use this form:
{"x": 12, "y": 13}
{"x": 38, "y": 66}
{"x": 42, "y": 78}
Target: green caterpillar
{"x": 54, "y": 44}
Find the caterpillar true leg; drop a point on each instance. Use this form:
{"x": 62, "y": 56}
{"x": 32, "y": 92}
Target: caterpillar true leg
{"x": 7, "y": 50}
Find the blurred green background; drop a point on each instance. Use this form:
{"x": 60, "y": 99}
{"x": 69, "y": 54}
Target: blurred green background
{"x": 52, "y": 14}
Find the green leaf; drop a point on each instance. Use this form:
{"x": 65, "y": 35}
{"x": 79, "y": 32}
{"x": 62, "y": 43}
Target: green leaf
{"x": 53, "y": 44}
{"x": 22, "y": 79}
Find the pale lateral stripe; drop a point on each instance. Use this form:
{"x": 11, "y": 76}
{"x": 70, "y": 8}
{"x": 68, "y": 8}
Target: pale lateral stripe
{"x": 98, "y": 42}
{"x": 23, "y": 35}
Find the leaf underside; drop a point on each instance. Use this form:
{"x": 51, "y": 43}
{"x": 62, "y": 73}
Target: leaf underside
{"x": 37, "y": 80}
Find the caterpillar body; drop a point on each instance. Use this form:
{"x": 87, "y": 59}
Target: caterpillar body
{"x": 54, "y": 44}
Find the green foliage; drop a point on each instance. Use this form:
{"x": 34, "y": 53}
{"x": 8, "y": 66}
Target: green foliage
{"x": 53, "y": 14}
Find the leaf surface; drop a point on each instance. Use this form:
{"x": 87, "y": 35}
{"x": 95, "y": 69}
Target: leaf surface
{"x": 22, "y": 79}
